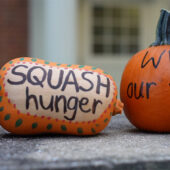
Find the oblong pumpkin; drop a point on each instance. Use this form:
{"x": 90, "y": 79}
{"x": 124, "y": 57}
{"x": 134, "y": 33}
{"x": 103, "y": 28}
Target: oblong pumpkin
{"x": 37, "y": 96}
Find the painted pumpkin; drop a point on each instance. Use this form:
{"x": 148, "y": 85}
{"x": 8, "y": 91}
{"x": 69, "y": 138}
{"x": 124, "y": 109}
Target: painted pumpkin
{"x": 44, "y": 97}
{"x": 145, "y": 84}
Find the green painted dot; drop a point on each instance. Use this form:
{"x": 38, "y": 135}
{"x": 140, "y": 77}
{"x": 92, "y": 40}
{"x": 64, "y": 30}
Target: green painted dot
{"x": 3, "y": 68}
{"x": 80, "y": 130}
{"x": 33, "y": 59}
{"x": 93, "y": 130}
{"x": 0, "y": 98}
{"x": 105, "y": 72}
{"x": 10, "y": 62}
{"x": 49, "y": 126}
{"x": 7, "y": 117}
{"x": 81, "y": 66}
{"x": 18, "y": 123}
{"x": 47, "y": 62}
{"x": 106, "y": 120}
{"x": 21, "y": 59}
{"x": 97, "y": 125}
{"x": 94, "y": 68}
{"x": 1, "y": 109}
{"x": 34, "y": 125}
{"x": 58, "y": 64}
{"x": 69, "y": 65}
{"x": 63, "y": 128}
{"x": 0, "y": 87}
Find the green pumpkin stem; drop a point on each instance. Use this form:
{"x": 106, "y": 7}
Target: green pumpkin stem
{"x": 163, "y": 29}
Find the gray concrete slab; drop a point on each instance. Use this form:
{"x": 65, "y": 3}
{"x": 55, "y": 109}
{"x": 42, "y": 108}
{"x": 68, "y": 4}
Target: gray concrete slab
{"x": 119, "y": 146}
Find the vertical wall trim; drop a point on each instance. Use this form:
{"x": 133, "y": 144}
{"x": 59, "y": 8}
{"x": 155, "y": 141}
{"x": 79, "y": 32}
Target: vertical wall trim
{"x": 53, "y": 30}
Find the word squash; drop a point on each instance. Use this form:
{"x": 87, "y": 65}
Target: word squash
{"x": 37, "y": 97}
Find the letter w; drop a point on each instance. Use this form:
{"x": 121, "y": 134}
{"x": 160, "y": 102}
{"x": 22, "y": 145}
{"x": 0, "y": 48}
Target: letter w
{"x": 152, "y": 59}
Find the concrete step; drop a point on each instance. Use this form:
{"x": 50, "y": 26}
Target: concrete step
{"x": 119, "y": 146}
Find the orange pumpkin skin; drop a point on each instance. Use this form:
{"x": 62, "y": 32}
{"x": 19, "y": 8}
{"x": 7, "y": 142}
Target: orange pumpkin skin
{"x": 15, "y": 118}
{"x": 145, "y": 89}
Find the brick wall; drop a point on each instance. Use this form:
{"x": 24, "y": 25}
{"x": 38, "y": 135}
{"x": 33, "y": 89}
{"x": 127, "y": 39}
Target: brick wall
{"x": 13, "y": 29}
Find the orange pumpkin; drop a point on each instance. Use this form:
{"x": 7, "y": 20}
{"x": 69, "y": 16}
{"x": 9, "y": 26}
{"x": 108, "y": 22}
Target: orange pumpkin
{"x": 145, "y": 84}
{"x": 37, "y": 96}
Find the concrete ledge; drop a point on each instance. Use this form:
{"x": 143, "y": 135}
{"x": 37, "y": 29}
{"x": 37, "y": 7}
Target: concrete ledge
{"x": 119, "y": 146}
{"x": 102, "y": 164}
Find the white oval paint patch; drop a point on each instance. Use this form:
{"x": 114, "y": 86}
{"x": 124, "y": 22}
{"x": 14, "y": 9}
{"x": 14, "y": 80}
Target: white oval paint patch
{"x": 59, "y": 93}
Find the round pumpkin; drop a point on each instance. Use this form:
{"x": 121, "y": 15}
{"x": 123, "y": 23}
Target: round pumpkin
{"x": 145, "y": 84}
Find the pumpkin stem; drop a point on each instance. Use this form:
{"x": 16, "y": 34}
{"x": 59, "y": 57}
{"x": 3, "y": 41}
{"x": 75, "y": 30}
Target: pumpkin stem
{"x": 163, "y": 29}
{"x": 118, "y": 108}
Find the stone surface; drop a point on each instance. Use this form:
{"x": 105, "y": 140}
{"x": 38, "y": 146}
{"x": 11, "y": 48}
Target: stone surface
{"x": 119, "y": 146}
